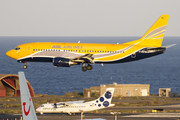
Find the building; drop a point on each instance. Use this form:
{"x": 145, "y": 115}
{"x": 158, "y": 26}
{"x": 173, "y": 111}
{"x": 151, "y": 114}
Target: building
{"x": 120, "y": 90}
{"x": 9, "y": 85}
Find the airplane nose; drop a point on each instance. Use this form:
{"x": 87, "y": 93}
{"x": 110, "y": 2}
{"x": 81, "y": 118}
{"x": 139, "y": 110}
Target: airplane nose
{"x": 11, "y": 54}
{"x": 8, "y": 53}
{"x": 38, "y": 109}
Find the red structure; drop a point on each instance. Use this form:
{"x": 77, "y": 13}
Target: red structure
{"x": 9, "y": 85}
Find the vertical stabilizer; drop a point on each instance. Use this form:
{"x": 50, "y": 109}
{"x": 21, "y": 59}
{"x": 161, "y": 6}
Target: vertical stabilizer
{"x": 26, "y": 101}
{"x": 105, "y": 99}
{"x": 154, "y": 36}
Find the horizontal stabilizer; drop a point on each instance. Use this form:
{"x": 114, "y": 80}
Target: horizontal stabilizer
{"x": 169, "y": 46}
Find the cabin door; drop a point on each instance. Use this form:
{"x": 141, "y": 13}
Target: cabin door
{"x": 28, "y": 49}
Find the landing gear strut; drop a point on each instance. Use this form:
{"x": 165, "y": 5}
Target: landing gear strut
{"x": 25, "y": 65}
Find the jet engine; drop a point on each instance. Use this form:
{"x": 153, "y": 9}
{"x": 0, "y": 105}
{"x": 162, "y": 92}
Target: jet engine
{"x": 62, "y": 62}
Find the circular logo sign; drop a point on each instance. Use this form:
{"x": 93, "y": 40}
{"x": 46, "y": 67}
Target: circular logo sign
{"x": 108, "y": 95}
{"x": 106, "y": 103}
{"x": 101, "y": 99}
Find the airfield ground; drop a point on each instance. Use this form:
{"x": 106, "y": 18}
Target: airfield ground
{"x": 93, "y": 116}
{"x": 130, "y": 107}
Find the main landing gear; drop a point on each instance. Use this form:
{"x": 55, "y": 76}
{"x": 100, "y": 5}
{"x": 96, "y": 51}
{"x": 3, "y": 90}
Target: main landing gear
{"x": 84, "y": 68}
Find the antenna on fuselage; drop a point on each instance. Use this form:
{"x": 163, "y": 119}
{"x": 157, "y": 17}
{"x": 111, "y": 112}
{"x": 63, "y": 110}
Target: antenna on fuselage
{"x": 79, "y": 41}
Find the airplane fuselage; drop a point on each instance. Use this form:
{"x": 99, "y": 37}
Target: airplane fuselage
{"x": 75, "y": 108}
{"x": 102, "y": 53}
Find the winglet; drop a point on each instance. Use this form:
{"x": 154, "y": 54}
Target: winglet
{"x": 26, "y": 101}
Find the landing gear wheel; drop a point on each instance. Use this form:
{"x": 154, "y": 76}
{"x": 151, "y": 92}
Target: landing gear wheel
{"x": 84, "y": 68}
{"x": 89, "y": 67}
{"x": 25, "y": 66}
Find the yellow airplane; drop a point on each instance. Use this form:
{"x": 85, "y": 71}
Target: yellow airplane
{"x": 67, "y": 54}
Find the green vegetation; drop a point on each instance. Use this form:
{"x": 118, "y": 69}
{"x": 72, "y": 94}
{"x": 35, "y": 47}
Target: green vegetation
{"x": 73, "y": 94}
{"x": 10, "y": 111}
{"x": 4, "y": 105}
{"x": 95, "y": 95}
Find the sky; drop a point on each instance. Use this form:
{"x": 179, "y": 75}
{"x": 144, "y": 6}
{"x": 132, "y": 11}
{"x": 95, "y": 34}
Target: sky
{"x": 86, "y": 17}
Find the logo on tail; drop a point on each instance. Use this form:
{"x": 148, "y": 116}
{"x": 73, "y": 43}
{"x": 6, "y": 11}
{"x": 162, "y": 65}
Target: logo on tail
{"x": 26, "y": 113}
{"x": 103, "y": 100}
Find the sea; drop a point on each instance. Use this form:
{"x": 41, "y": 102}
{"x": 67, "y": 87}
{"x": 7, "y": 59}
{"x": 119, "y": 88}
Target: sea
{"x": 161, "y": 71}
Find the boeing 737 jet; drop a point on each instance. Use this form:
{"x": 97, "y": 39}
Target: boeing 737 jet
{"x": 67, "y": 54}
{"x": 79, "y": 106}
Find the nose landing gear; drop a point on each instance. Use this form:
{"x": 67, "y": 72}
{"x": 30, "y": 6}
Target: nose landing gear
{"x": 25, "y": 65}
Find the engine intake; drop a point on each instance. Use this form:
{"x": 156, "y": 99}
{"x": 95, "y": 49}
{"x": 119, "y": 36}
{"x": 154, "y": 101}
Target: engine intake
{"x": 61, "y": 62}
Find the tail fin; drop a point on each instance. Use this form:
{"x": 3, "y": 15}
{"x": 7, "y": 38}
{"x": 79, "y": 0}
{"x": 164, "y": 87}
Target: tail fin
{"x": 26, "y": 101}
{"x": 154, "y": 36}
{"x": 105, "y": 99}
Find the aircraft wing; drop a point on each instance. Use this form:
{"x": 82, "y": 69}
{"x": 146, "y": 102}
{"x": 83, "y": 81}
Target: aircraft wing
{"x": 87, "y": 58}
{"x": 72, "y": 102}
{"x": 79, "y": 101}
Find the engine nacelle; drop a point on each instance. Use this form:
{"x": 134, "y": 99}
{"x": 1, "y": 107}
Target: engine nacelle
{"x": 61, "y": 62}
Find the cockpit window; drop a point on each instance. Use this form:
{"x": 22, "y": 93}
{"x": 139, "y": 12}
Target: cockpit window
{"x": 42, "y": 105}
{"x": 17, "y": 48}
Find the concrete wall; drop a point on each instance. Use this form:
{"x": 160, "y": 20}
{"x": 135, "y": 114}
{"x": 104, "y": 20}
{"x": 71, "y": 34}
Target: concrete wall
{"x": 164, "y": 92}
{"x": 122, "y": 89}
